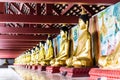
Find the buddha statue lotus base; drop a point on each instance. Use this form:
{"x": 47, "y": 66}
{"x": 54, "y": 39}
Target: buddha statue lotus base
{"x": 99, "y": 74}
{"x": 75, "y": 72}
{"x": 53, "y": 69}
{"x": 34, "y": 67}
{"x": 41, "y": 68}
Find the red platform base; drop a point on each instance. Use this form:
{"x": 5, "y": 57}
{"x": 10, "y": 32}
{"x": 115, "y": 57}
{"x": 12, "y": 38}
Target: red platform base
{"x": 52, "y": 69}
{"x": 41, "y": 68}
{"x": 34, "y": 67}
{"x": 23, "y": 66}
{"x": 75, "y": 72}
{"x": 29, "y": 67}
{"x": 96, "y": 73}
{"x": 26, "y": 66}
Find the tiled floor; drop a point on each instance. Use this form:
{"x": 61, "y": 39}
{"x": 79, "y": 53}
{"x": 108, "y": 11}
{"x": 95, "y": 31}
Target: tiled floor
{"x": 35, "y": 75}
{"x": 23, "y": 74}
{"x": 8, "y": 74}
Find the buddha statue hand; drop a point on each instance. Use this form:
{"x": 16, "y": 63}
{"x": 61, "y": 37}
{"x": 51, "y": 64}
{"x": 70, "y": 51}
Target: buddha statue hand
{"x": 74, "y": 58}
{"x": 57, "y": 59}
{"x": 52, "y": 62}
{"x": 69, "y": 62}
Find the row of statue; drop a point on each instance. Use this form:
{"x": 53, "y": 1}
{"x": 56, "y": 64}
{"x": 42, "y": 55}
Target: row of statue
{"x": 81, "y": 57}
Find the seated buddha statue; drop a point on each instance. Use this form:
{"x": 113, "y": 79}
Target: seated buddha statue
{"x": 33, "y": 55}
{"x": 64, "y": 49}
{"x": 23, "y": 58}
{"x": 49, "y": 53}
{"x": 41, "y": 53}
{"x": 36, "y": 54}
{"x": 82, "y": 56}
{"x": 28, "y": 57}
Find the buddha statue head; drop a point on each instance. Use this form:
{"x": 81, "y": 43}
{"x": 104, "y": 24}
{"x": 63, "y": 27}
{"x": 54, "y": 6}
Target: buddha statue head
{"x": 83, "y": 21}
{"x": 64, "y": 32}
{"x": 49, "y": 40}
{"x": 33, "y": 51}
{"x": 37, "y": 49}
{"x": 42, "y": 44}
{"x": 29, "y": 52}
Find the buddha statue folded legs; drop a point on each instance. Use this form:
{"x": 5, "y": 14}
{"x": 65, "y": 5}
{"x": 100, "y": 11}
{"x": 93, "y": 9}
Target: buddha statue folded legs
{"x": 82, "y": 56}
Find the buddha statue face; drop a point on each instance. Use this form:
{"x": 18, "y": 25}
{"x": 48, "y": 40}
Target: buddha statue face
{"x": 48, "y": 41}
{"x": 41, "y": 44}
{"x": 32, "y": 51}
{"x": 36, "y": 49}
{"x": 63, "y": 34}
{"x": 82, "y": 24}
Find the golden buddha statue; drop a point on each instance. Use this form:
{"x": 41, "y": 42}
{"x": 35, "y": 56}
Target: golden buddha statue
{"x": 41, "y": 54}
{"x": 33, "y": 55}
{"x": 64, "y": 49}
{"x": 36, "y": 54}
{"x": 82, "y": 56}
{"x": 50, "y": 52}
{"x": 23, "y": 59}
{"x": 28, "y": 57}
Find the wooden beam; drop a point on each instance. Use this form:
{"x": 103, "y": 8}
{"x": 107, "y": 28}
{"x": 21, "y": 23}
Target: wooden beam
{"x": 65, "y": 1}
{"x": 17, "y": 8}
{"x": 22, "y": 37}
{"x": 15, "y": 48}
{"x": 67, "y": 9}
{"x": 31, "y": 9}
{"x": 11, "y": 11}
{"x": 49, "y": 8}
{"x": 36, "y": 19}
{"x": 38, "y": 9}
{"x": 22, "y": 49}
{"x": 21, "y": 42}
{"x": 2, "y": 8}
{"x": 10, "y": 54}
{"x": 87, "y": 8}
{"x": 12, "y": 49}
{"x": 31, "y": 30}
{"x": 16, "y": 44}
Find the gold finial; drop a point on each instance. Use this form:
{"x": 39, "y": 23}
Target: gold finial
{"x": 83, "y": 11}
{"x": 48, "y": 35}
{"x": 63, "y": 25}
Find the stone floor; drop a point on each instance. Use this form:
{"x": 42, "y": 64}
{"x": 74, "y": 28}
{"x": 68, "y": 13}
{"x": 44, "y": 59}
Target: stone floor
{"x": 9, "y": 74}
{"x": 24, "y": 74}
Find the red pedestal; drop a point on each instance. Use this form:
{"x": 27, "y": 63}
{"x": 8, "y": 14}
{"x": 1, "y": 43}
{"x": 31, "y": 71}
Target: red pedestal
{"x": 26, "y": 66}
{"x": 75, "y": 72}
{"x": 29, "y": 67}
{"x": 41, "y": 68}
{"x": 53, "y": 69}
{"x": 34, "y": 67}
{"x": 96, "y": 73}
